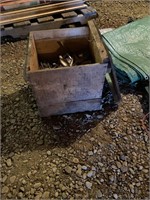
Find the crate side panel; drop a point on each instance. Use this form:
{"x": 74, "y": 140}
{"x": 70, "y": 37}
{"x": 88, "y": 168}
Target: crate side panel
{"x": 68, "y": 84}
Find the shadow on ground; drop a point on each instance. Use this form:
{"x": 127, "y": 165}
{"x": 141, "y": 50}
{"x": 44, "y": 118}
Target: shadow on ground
{"x": 23, "y": 129}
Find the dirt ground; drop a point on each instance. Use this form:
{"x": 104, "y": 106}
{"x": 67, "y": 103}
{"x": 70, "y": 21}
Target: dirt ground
{"x": 90, "y": 155}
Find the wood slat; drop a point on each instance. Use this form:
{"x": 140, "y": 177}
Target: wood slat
{"x": 20, "y": 24}
{"x": 45, "y": 19}
{"x": 69, "y": 14}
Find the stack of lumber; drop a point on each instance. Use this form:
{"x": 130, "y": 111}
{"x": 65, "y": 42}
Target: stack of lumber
{"x": 16, "y": 16}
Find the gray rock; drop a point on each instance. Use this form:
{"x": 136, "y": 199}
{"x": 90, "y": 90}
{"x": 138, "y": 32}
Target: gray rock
{"x": 4, "y": 178}
{"x": 20, "y": 195}
{"x": 118, "y": 164}
{"x": 5, "y": 190}
{"x": 84, "y": 167}
{"x": 103, "y": 169}
{"x": 79, "y": 172}
{"x": 124, "y": 169}
{"x": 88, "y": 185}
{"x": 49, "y": 153}
{"x": 37, "y": 185}
{"x": 68, "y": 169}
{"x": 40, "y": 142}
{"x": 90, "y": 174}
{"x": 9, "y": 162}
{"x": 99, "y": 194}
{"x": 75, "y": 160}
{"x": 22, "y": 189}
{"x": 122, "y": 157}
{"x": 46, "y": 195}
{"x": 90, "y": 153}
{"x": 111, "y": 178}
{"x": 115, "y": 196}
{"x": 12, "y": 179}
{"x": 24, "y": 182}
{"x": 56, "y": 194}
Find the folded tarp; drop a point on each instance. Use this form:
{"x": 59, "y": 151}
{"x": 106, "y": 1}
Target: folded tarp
{"x": 129, "y": 47}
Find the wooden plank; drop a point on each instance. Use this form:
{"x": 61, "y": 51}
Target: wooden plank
{"x": 2, "y": 27}
{"x": 24, "y": 23}
{"x": 52, "y": 47}
{"x": 68, "y": 84}
{"x": 89, "y": 12}
{"x": 45, "y": 19}
{"x": 61, "y": 33}
{"x": 97, "y": 46}
{"x": 26, "y": 14}
{"x": 69, "y": 14}
{"x": 32, "y": 62}
{"x": 70, "y": 107}
{"x": 22, "y": 32}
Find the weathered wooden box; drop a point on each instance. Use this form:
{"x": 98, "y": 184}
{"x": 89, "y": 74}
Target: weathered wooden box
{"x": 66, "y": 89}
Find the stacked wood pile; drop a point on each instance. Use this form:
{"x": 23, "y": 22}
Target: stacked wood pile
{"x": 40, "y": 11}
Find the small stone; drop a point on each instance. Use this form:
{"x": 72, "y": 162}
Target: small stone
{"x": 103, "y": 170}
{"x": 63, "y": 188}
{"x": 93, "y": 168}
{"x": 22, "y": 189}
{"x": 84, "y": 167}
{"x": 99, "y": 194}
{"x": 132, "y": 171}
{"x": 54, "y": 169}
{"x": 37, "y": 185}
{"x": 56, "y": 194}
{"x": 79, "y": 172}
{"x": 90, "y": 174}
{"x": 4, "y": 178}
{"x": 5, "y": 190}
{"x": 40, "y": 142}
{"x": 100, "y": 164}
{"x": 24, "y": 182}
{"x": 56, "y": 127}
{"x": 118, "y": 164}
{"x": 145, "y": 171}
{"x": 49, "y": 153}
{"x": 99, "y": 116}
{"x": 64, "y": 196}
{"x": 115, "y": 196}
{"x": 122, "y": 157}
{"x": 140, "y": 167}
{"x": 90, "y": 153}
{"x": 9, "y": 195}
{"x": 68, "y": 169}
{"x": 124, "y": 169}
{"x": 46, "y": 195}
{"x": 12, "y": 179}
{"x": 29, "y": 174}
{"x": 84, "y": 176}
{"x": 32, "y": 191}
{"x": 125, "y": 119}
{"x": 111, "y": 178}
{"x": 88, "y": 185}
{"x": 75, "y": 160}
{"x": 9, "y": 162}
{"x": 20, "y": 195}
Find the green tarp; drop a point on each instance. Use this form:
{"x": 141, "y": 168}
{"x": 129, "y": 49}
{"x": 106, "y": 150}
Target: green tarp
{"x": 129, "y": 47}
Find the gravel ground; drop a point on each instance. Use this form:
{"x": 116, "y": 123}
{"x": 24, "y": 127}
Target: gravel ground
{"x": 91, "y": 155}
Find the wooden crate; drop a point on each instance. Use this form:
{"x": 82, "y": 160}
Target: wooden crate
{"x": 66, "y": 89}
